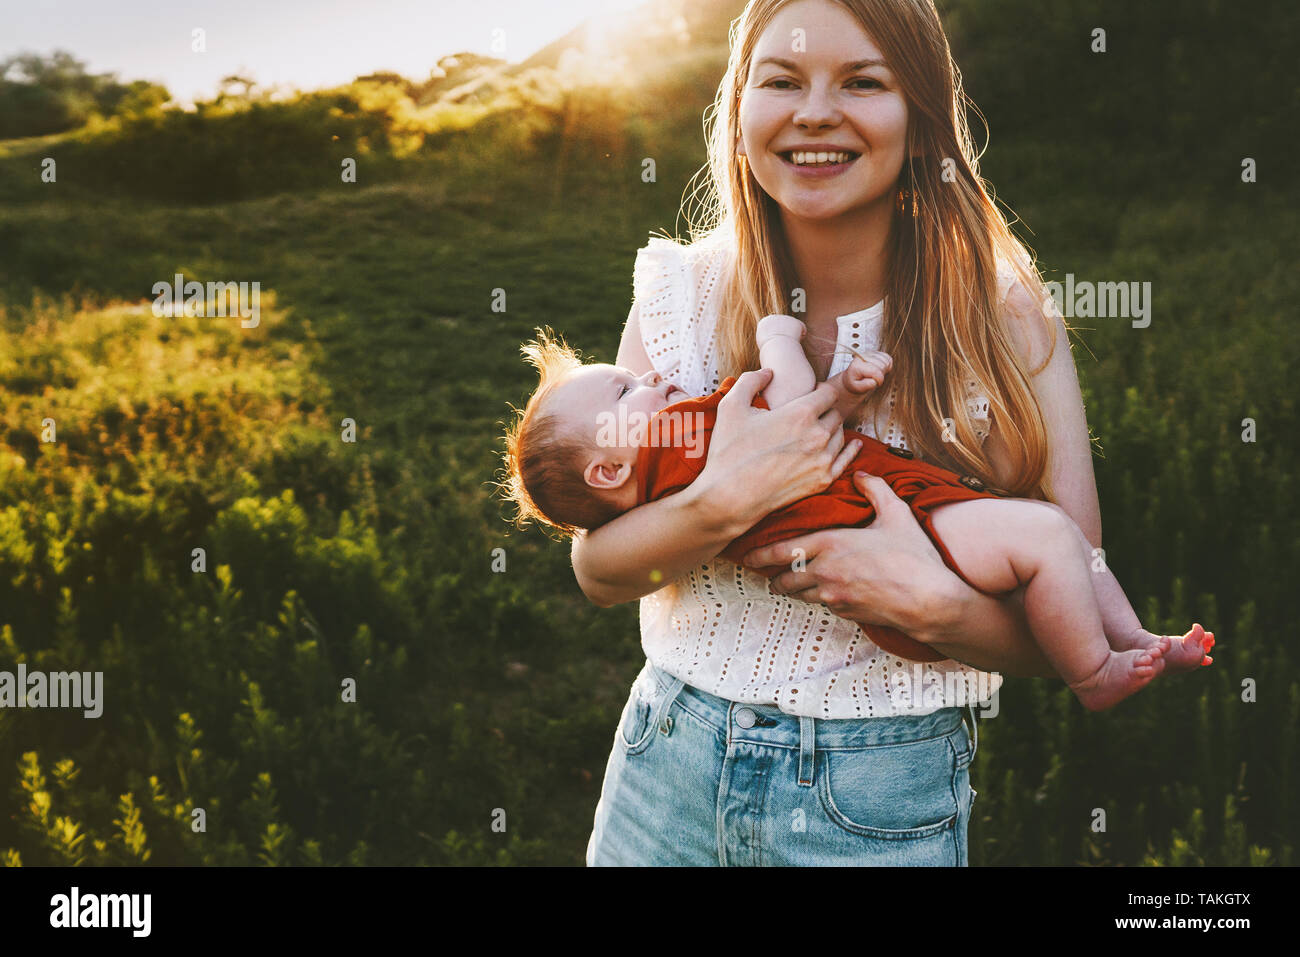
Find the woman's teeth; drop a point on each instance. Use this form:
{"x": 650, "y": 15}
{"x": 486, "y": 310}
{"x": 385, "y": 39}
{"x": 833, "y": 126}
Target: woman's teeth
{"x": 806, "y": 158}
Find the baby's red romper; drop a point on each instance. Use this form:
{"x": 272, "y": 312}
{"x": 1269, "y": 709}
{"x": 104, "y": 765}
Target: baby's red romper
{"x": 677, "y": 448}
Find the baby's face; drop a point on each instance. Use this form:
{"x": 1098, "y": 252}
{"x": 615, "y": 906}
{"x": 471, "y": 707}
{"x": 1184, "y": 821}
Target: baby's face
{"x": 613, "y": 404}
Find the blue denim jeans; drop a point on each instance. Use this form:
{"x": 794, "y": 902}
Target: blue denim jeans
{"x": 695, "y": 779}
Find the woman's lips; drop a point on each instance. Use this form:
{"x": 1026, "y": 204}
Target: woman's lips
{"x": 820, "y": 171}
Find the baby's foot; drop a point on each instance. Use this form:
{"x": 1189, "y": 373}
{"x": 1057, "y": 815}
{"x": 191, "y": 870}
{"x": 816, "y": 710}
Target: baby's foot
{"x": 777, "y": 325}
{"x": 1189, "y": 651}
{"x": 1122, "y": 673}
{"x": 1142, "y": 639}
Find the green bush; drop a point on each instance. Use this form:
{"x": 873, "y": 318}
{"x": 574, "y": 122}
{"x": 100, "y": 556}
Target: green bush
{"x": 488, "y": 696}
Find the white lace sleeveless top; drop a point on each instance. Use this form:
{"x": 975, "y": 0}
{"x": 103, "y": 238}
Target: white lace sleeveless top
{"x": 721, "y": 629}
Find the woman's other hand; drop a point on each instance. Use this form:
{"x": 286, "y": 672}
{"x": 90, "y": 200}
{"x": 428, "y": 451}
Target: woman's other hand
{"x": 888, "y": 573}
{"x": 760, "y": 460}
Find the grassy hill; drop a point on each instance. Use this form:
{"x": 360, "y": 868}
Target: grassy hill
{"x": 373, "y": 560}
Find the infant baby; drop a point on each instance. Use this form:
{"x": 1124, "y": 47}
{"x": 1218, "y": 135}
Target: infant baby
{"x": 597, "y": 440}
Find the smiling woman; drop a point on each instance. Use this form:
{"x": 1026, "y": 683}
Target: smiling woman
{"x": 806, "y": 122}
{"x": 844, "y": 181}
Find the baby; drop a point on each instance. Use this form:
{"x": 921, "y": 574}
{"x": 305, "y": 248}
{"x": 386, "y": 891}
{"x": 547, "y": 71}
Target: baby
{"x": 596, "y": 440}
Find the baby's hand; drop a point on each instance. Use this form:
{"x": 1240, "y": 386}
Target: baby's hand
{"x": 777, "y": 325}
{"x": 867, "y": 371}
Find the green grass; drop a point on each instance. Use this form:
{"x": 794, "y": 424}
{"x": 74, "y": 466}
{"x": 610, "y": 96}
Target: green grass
{"x": 480, "y": 690}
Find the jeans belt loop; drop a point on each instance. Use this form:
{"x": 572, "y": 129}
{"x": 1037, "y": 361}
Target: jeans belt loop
{"x": 674, "y": 689}
{"x": 807, "y": 749}
{"x": 975, "y": 729}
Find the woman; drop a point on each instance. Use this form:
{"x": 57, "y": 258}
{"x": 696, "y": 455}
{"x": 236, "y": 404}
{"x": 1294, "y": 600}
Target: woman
{"x": 766, "y": 728}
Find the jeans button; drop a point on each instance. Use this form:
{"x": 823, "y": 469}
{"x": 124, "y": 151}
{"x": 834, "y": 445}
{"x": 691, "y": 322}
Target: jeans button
{"x": 746, "y": 718}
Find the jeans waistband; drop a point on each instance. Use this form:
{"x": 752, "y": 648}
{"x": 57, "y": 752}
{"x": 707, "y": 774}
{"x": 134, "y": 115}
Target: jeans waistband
{"x": 768, "y": 724}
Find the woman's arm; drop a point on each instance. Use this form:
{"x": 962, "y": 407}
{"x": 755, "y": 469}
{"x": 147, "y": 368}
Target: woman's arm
{"x": 1074, "y": 486}
{"x": 757, "y": 461}
{"x": 891, "y": 574}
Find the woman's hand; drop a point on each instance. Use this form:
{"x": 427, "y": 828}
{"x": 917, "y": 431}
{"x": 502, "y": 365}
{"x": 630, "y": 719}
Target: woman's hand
{"x": 761, "y": 460}
{"x": 757, "y": 461}
{"x": 888, "y": 573}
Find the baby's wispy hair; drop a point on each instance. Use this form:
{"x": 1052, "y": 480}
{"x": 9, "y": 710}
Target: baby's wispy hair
{"x": 542, "y": 463}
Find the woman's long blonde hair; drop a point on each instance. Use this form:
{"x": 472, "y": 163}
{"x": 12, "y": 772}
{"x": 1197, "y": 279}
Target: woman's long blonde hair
{"x": 942, "y": 322}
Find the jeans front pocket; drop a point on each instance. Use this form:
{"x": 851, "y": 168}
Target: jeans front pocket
{"x": 896, "y": 792}
{"x": 634, "y": 726}
{"x": 646, "y": 710}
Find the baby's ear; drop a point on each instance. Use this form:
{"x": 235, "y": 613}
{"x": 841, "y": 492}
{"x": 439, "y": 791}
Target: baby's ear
{"x": 606, "y": 474}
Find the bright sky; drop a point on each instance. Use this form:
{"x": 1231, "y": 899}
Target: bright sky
{"x": 303, "y": 43}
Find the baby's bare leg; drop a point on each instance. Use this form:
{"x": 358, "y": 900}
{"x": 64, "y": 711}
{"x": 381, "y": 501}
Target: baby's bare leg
{"x": 779, "y": 349}
{"x": 1001, "y": 544}
{"x": 1124, "y": 630}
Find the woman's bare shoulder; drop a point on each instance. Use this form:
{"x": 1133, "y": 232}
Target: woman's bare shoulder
{"x": 1035, "y": 325}
{"x": 689, "y": 253}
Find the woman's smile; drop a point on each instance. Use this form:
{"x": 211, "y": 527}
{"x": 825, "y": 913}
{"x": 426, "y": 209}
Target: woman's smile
{"x": 813, "y": 163}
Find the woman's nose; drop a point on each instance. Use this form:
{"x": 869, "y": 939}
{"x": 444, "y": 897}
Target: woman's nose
{"x": 652, "y": 378}
{"x": 816, "y": 110}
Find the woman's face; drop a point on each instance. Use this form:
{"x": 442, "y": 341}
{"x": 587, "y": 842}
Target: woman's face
{"x": 818, "y": 85}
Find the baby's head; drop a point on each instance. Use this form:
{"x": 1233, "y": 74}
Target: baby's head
{"x": 571, "y": 452}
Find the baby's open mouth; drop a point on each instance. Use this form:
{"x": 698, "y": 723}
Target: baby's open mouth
{"x": 821, "y": 158}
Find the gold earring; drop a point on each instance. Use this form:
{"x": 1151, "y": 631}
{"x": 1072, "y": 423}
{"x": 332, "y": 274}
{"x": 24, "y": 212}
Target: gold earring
{"x": 906, "y": 201}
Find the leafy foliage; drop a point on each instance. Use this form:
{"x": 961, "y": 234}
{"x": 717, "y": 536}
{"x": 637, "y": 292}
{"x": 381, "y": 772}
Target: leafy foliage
{"x": 226, "y": 737}
{"x": 43, "y": 95}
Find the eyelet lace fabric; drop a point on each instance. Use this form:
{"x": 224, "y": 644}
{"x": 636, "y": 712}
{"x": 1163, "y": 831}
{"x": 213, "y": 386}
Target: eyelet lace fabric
{"x": 720, "y": 628}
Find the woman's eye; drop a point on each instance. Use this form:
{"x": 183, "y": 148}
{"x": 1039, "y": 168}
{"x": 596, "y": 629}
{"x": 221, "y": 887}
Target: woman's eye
{"x": 789, "y": 84}
{"x": 865, "y": 79}
{"x": 622, "y": 392}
